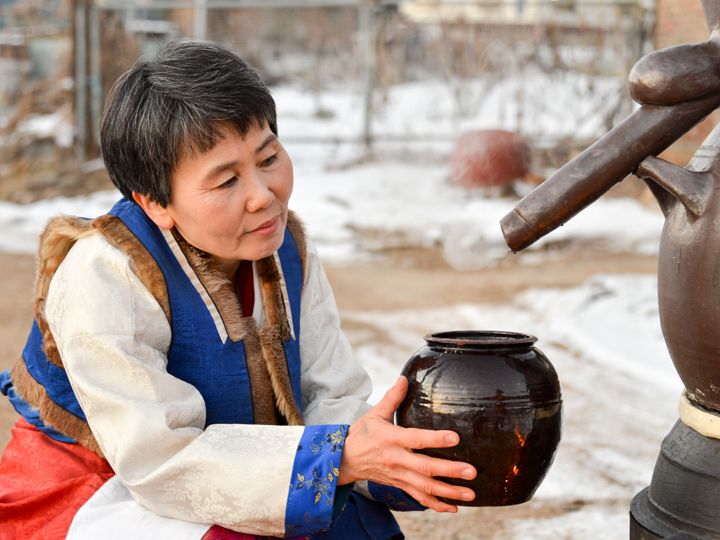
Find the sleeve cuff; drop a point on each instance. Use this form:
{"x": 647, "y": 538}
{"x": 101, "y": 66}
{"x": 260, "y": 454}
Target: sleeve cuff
{"x": 394, "y": 498}
{"x": 313, "y": 484}
{"x": 342, "y": 493}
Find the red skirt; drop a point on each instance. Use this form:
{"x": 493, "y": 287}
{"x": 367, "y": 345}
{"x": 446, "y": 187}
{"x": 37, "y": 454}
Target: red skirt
{"x": 44, "y": 482}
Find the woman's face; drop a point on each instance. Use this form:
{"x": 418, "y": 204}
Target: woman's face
{"x": 232, "y": 201}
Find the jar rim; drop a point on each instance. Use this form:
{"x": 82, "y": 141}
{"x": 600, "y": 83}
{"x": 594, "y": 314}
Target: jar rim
{"x": 479, "y": 338}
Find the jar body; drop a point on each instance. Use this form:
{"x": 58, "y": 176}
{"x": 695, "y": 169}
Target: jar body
{"x": 501, "y": 395}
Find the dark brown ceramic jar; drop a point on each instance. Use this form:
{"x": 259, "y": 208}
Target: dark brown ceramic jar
{"x": 501, "y": 395}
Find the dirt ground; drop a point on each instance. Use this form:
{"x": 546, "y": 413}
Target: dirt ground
{"x": 403, "y": 279}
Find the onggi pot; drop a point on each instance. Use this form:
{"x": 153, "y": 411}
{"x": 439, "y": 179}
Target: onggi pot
{"x": 501, "y": 395}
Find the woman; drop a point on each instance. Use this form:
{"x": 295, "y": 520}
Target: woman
{"x": 186, "y": 375}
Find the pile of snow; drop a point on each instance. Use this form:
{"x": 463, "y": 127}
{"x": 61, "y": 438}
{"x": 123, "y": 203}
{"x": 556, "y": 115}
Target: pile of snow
{"x": 23, "y": 223}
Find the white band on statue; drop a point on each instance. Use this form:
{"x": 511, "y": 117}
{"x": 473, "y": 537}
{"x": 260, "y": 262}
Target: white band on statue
{"x": 703, "y": 421}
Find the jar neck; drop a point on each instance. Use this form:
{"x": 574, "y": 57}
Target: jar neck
{"x": 479, "y": 340}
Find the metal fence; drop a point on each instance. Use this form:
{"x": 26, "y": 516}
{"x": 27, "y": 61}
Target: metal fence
{"x": 371, "y": 68}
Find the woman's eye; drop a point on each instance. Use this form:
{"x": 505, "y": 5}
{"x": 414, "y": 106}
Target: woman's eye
{"x": 228, "y": 183}
{"x": 269, "y": 161}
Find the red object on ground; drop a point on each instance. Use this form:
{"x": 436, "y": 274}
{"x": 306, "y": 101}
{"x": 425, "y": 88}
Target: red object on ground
{"x": 43, "y": 483}
{"x": 489, "y": 158}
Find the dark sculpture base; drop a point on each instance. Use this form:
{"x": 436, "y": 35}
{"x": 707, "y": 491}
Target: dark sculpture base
{"x": 682, "y": 500}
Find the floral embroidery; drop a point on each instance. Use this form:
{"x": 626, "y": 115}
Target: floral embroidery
{"x": 320, "y": 483}
{"x": 336, "y": 440}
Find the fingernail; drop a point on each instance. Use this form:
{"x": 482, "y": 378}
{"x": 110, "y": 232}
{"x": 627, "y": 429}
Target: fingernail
{"x": 468, "y": 496}
{"x": 452, "y": 438}
{"x": 468, "y": 473}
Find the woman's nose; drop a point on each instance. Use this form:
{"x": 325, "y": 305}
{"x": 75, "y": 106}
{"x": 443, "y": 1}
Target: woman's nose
{"x": 260, "y": 195}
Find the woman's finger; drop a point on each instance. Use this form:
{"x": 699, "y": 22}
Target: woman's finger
{"x": 431, "y": 466}
{"x": 392, "y": 399}
{"x": 418, "y": 439}
{"x": 434, "y": 487}
{"x": 428, "y": 501}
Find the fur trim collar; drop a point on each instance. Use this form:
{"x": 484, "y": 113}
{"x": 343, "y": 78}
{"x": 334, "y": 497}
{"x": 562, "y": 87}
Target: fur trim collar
{"x": 56, "y": 240}
{"x": 264, "y": 353}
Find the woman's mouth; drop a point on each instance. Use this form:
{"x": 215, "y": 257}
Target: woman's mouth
{"x": 269, "y": 227}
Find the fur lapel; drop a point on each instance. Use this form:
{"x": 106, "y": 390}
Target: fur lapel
{"x": 52, "y": 415}
{"x": 142, "y": 263}
{"x": 59, "y": 236}
{"x": 218, "y": 286}
{"x": 264, "y": 352}
{"x": 297, "y": 230}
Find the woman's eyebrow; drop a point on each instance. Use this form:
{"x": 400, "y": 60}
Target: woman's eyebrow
{"x": 212, "y": 173}
{"x": 233, "y": 163}
{"x": 269, "y": 139}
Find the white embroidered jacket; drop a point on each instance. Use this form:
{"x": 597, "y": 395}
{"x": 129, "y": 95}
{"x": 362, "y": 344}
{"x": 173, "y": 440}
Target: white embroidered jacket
{"x": 113, "y": 338}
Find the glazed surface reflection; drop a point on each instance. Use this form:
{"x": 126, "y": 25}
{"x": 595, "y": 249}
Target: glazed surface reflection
{"x": 501, "y": 395}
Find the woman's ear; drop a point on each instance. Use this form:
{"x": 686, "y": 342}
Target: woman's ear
{"x": 156, "y": 212}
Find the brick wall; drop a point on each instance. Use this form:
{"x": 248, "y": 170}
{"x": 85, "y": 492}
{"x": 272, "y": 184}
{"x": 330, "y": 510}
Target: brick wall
{"x": 677, "y": 22}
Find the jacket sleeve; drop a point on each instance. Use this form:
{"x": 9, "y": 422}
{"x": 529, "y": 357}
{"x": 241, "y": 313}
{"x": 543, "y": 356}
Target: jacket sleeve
{"x": 335, "y": 387}
{"x": 113, "y": 338}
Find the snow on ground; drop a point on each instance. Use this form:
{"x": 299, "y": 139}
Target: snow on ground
{"x": 619, "y": 387}
{"x": 413, "y": 204}
{"x": 21, "y": 224}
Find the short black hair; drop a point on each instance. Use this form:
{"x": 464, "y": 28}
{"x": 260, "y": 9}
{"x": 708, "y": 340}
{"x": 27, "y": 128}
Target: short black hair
{"x": 174, "y": 105}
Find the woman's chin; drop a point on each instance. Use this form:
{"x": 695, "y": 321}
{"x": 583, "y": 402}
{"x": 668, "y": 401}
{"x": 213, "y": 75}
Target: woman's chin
{"x": 263, "y": 251}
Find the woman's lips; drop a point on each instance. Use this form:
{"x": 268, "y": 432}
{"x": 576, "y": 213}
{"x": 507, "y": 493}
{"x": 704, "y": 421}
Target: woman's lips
{"x": 268, "y": 227}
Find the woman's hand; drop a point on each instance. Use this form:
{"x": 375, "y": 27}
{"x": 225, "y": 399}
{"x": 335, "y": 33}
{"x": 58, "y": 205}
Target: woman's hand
{"x": 378, "y": 450}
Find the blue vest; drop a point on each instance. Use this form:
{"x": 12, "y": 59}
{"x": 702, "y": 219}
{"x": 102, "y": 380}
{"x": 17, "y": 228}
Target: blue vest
{"x": 197, "y": 355}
